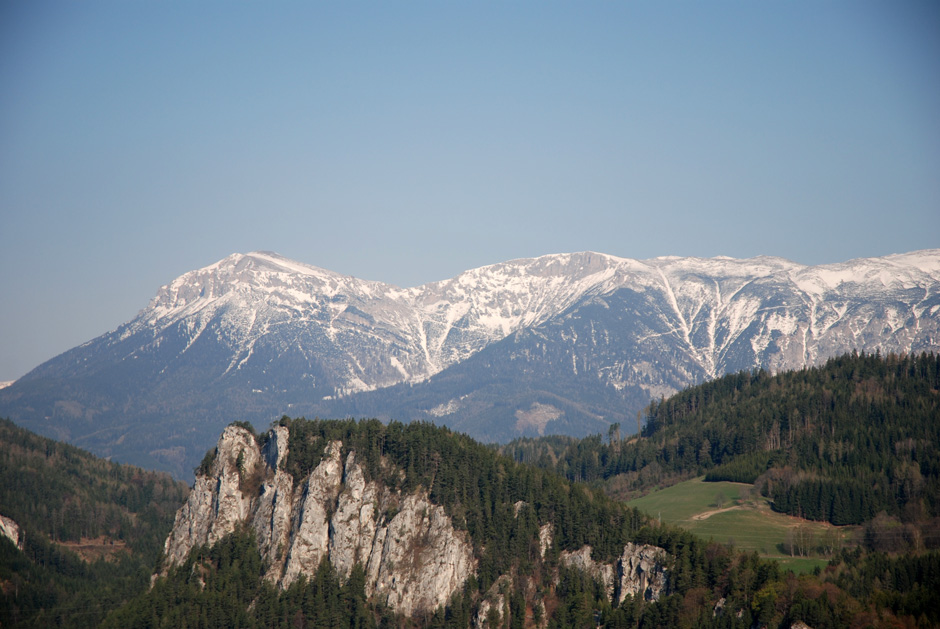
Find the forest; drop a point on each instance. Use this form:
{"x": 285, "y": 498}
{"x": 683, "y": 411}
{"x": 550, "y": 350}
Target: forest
{"x": 843, "y": 442}
{"x": 710, "y": 584}
{"x": 853, "y": 440}
{"x": 66, "y": 502}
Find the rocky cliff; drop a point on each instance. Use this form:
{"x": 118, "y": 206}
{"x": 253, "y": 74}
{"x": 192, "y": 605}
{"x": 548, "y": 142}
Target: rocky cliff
{"x": 640, "y": 571}
{"x": 413, "y": 557}
{"x": 351, "y": 511}
{"x": 10, "y": 530}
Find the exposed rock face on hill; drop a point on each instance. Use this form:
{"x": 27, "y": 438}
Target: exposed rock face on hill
{"x": 640, "y": 571}
{"x": 10, "y": 530}
{"x": 413, "y": 560}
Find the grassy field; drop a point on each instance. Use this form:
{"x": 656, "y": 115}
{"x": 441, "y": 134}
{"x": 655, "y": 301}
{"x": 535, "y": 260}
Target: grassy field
{"x": 732, "y": 512}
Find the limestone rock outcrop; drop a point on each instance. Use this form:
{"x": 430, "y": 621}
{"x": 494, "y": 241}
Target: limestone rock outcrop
{"x": 639, "y": 571}
{"x": 216, "y": 504}
{"x": 412, "y": 556}
{"x": 601, "y": 572}
{"x": 11, "y": 530}
{"x": 546, "y": 534}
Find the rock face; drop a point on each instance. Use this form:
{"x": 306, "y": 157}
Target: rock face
{"x": 413, "y": 560}
{"x": 601, "y": 572}
{"x": 640, "y": 571}
{"x": 10, "y": 530}
{"x": 545, "y": 539}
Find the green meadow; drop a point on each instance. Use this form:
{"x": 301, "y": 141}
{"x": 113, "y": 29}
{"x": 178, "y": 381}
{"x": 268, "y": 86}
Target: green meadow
{"x": 734, "y": 513}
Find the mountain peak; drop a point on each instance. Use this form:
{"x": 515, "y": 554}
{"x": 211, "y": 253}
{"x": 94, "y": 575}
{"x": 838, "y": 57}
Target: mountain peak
{"x": 567, "y": 342}
{"x": 270, "y": 261}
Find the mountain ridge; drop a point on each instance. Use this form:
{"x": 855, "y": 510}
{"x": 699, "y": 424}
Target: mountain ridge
{"x": 559, "y": 343}
{"x": 811, "y": 280}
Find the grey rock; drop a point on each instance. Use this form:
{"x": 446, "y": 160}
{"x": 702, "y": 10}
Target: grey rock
{"x": 413, "y": 562}
{"x": 639, "y": 571}
{"x": 11, "y": 530}
{"x": 310, "y": 535}
{"x": 601, "y": 572}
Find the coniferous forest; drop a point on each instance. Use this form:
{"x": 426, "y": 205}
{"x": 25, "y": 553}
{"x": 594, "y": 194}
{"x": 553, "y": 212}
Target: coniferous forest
{"x": 842, "y": 442}
{"x": 91, "y": 531}
{"x": 478, "y": 487}
{"x": 852, "y": 441}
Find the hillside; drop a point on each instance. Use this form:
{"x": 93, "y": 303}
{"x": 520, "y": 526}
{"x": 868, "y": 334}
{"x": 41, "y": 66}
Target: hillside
{"x": 841, "y": 442}
{"x": 361, "y": 524}
{"x": 560, "y": 344}
{"x": 89, "y": 531}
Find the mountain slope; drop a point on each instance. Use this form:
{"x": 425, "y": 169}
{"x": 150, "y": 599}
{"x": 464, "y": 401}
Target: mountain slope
{"x": 839, "y": 443}
{"x": 420, "y": 517}
{"x": 562, "y": 343}
{"x": 362, "y": 524}
{"x": 89, "y": 531}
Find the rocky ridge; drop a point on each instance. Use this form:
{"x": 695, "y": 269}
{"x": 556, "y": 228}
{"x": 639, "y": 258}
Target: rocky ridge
{"x": 378, "y": 335}
{"x": 412, "y": 556}
{"x": 707, "y": 304}
{"x": 641, "y": 571}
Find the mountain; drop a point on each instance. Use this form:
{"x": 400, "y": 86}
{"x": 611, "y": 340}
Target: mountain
{"x": 365, "y": 524}
{"x": 417, "y": 509}
{"x": 567, "y": 343}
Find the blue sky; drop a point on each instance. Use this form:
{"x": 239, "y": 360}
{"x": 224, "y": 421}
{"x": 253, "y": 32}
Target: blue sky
{"x": 406, "y": 142}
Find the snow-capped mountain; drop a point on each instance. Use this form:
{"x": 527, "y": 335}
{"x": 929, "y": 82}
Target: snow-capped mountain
{"x": 560, "y": 343}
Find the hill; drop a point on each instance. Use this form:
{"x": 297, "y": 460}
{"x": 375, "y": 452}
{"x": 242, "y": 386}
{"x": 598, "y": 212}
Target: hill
{"x": 361, "y": 524}
{"x": 841, "y": 442}
{"x": 89, "y": 531}
{"x": 736, "y": 514}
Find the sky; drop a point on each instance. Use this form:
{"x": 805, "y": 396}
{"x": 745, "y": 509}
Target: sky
{"x": 406, "y": 142}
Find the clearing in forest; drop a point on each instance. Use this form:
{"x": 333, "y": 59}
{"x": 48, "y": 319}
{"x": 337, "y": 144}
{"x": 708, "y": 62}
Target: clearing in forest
{"x": 734, "y": 512}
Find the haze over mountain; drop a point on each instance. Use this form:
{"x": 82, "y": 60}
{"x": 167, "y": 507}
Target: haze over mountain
{"x": 565, "y": 343}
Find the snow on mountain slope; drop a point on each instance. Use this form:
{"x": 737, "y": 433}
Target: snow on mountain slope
{"x": 418, "y": 332}
{"x": 706, "y": 305}
{"x": 261, "y": 297}
{"x": 586, "y": 337}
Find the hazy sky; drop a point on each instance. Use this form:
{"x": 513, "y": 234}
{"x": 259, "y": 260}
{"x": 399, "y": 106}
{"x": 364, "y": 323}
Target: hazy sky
{"x": 408, "y": 141}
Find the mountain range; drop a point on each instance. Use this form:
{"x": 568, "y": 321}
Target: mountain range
{"x": 565, "y": 343}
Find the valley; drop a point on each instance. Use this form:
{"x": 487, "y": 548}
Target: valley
{"x": 363, "y": 523}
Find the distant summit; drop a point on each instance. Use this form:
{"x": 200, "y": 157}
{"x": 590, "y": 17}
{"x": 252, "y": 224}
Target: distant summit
{"x": 565, "y": 343}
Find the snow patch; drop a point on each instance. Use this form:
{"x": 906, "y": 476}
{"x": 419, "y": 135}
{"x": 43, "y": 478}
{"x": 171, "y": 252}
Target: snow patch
{"x": 401, "y": 368}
